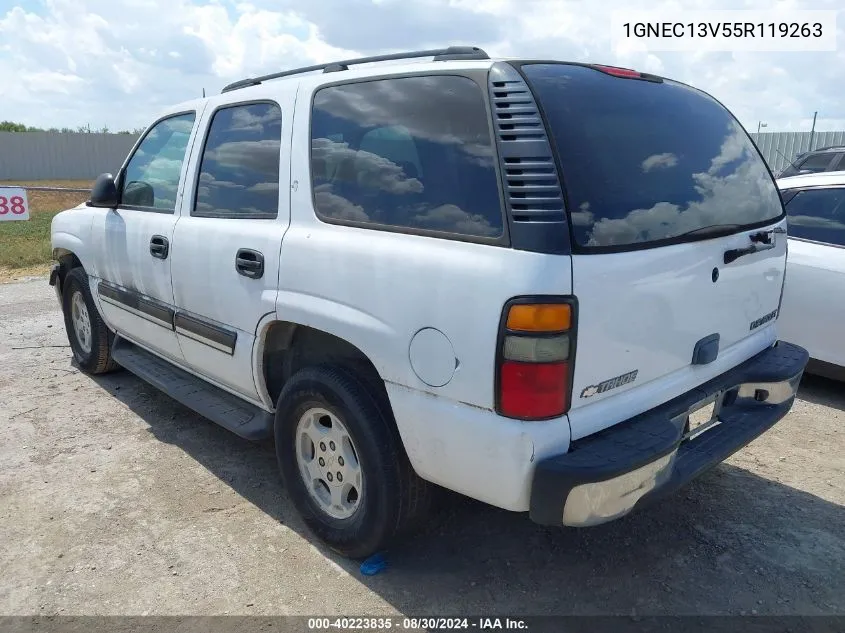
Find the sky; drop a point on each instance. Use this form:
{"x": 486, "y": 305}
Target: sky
{"x": 118, "y": 63}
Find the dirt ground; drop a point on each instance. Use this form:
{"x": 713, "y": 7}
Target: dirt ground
{"x": 115, "y": 500}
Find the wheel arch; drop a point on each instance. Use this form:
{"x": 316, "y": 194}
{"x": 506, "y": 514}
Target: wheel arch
{"x": 67, "y": 260}
{"x": 286, "y": 347}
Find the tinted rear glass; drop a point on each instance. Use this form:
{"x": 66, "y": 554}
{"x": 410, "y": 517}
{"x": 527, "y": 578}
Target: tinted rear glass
{"x": 410, "y": 152}
{"x": 645, "y": 162}
{"x": 818, "y": 215}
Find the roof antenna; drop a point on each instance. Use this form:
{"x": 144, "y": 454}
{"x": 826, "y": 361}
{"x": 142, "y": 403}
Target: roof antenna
{"x": 203, "y": 93}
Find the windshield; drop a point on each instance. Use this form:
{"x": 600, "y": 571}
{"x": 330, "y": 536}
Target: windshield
{"x": 645, "y": 162}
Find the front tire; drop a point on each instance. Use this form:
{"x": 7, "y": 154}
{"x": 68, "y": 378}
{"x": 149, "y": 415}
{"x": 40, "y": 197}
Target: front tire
{"x": 87, "y": 334}
{"x": 343, "y": 463}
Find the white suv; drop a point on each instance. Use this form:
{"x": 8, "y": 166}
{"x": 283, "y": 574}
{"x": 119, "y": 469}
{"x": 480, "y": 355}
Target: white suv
{"x": 549, "y": 286}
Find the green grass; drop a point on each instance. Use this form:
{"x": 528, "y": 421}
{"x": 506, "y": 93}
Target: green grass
{"x": 25, "y": 244}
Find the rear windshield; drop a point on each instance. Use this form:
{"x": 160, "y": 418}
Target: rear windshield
{"x": 647, "y": 162}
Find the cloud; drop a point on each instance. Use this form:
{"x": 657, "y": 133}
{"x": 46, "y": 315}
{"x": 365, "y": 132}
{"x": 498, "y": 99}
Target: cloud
{"x": 745, "y": 192}
{"x": 264, "y": 187}
{"x": 338, "y": 207}
{"x": 397, "y": 104}
{"x": 368, "y": 170}
{"x": 583, "y": 216}
{"x": 368, "y": 173}
{"x": 395, "y": 24}
{"x": 119, "y": 62}
{"x": 815, "y": 222}
{"x": 658, "y": 161}
{"x": 449, "y": 217}
{"x": 261, "y": 158}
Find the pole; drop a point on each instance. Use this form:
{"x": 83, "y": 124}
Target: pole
{"x": 758, "y": 126}
{"x": 813, "y": 131}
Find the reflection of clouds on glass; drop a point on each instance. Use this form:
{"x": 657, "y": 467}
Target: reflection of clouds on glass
{"x": 365, "y": 168}
{"x": 240, "y": 162}
{"x": 264, "y": 187}
{"x": 260, "y": 156}
{"x": 745, "y": 192}
{"x": 479, "y": 154}
{"x": 178, "y": 125}
{"x": 382, "y": 103}
{"x": 252, "y": 119}
{"x": 582, "y": 217}
{"x": 816, "y": 222}
{"x": 158, "y": 159}
{"x": 413, "y": 152}
{"x": 449, "y": 217}
{"x": 376, "y": 172}
{"x": 162, "y": 169}
{"x": 657, "y": 161}
{"x": 335, "y": 206}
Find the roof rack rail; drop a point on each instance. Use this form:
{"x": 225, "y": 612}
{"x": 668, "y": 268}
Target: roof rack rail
{"x": 439, "y": 54}
{"x": 827, "y": 147}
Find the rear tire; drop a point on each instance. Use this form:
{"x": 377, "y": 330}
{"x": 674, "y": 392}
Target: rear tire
{"x": 330, "y": 423}
{"x": 89, "y": 338}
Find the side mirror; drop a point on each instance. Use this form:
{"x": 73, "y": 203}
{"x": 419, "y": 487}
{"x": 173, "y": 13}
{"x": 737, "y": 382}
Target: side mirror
{"x": 104, "y": 192}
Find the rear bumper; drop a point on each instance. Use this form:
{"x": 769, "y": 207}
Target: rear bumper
{"x": 606, "y": 475}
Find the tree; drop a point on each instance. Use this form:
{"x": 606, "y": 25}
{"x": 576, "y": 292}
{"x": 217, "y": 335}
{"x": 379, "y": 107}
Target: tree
{"x": 11, "y": 126}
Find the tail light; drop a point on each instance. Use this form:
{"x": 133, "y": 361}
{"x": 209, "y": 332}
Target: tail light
{"x": 534, "y": 360}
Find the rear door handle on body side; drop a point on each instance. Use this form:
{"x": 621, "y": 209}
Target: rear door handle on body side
{"x": 159, "y": 246}
{"x": 249, "y": 263}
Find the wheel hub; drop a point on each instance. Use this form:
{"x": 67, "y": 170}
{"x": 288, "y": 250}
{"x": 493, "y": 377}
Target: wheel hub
{"x": 81, "y": 321}
{"x": 328, "y": 463}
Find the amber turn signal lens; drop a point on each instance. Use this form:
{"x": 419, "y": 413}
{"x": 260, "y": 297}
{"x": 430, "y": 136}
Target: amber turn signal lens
{"x": 540, "y": 317}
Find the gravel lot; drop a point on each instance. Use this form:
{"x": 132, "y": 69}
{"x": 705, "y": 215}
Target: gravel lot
{"x": 116, "y": 500}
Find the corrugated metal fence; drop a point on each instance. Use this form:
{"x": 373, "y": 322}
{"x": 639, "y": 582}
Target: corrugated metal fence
{"x": 780, "y": 148}
{"x": 61, "y": 156}
{"x": 72, "y": 156}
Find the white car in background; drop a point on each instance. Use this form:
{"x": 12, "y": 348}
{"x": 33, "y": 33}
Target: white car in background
{"x": 813, "y": 306}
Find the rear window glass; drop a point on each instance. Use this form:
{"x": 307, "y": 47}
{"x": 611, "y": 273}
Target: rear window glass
{"x": 645, "y": 162}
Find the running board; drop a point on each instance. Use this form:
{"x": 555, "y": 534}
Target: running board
{"x": 230, "y": 412}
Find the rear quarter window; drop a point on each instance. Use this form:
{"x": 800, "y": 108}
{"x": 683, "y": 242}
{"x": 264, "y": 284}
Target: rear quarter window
{"x": 643, "y": 163}
{"x": 408, "y": 153}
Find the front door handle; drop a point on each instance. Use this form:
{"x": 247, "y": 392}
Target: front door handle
{"x": 249, "y": 263}
{"x": 159, "y": 246}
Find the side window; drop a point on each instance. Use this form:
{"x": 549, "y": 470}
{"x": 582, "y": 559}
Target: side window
{"x": 839, "y": 163}
{"x": 151, "y": 178}
{"x": 815, "y": 163}
{"x": 818, "y": 215}
{"x": 411, "y": 152}
{"x": 239, "y": 169}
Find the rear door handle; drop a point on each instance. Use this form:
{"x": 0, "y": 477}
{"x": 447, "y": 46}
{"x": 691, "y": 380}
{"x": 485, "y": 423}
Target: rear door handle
{"x": 249, "y": 263}
{"x": 159, "y": 246}
{"x": 762, "y": 241}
